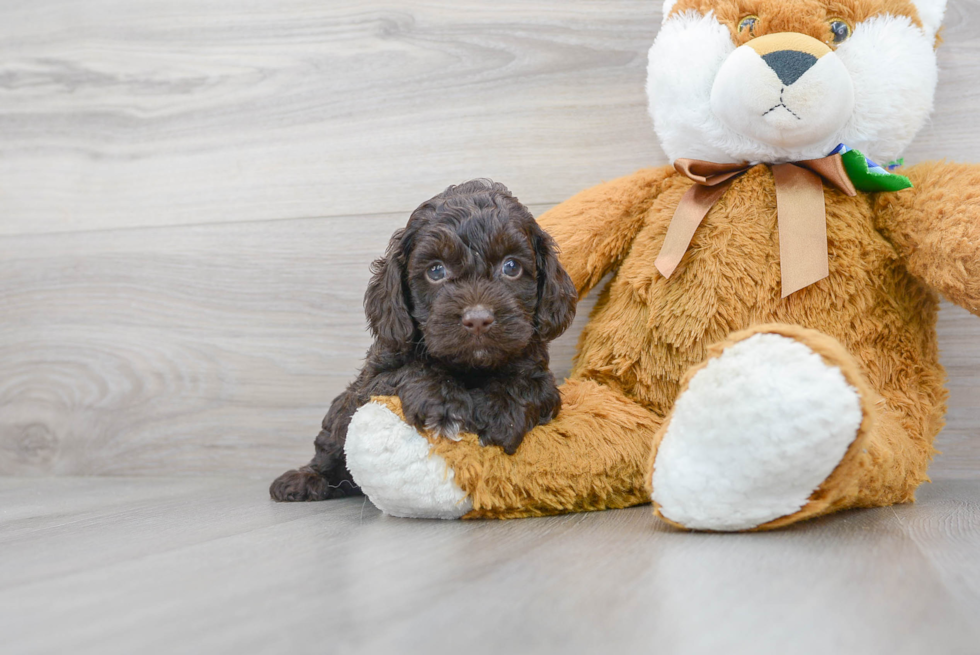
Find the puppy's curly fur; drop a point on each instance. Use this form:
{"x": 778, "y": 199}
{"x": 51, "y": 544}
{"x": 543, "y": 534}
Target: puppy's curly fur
{"x": 462, "y": 307}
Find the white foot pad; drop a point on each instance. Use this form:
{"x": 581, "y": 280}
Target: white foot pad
{"x": 392, "y": 464}
{"x": 757, "y": 430}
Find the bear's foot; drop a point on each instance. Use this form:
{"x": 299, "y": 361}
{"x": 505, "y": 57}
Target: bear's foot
{"x": 394, "y": 467}
{"x": 758, "y": 431}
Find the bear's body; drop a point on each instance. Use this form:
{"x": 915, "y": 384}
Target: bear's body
{"x": 646, "y": 331}
{"x": 732, "y": 404}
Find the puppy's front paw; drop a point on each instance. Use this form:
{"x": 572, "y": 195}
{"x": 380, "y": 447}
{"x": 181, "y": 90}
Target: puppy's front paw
{"x": 438, "y": 418}
{"x": 507, "y": 435}
{"x": 444, "y": 425}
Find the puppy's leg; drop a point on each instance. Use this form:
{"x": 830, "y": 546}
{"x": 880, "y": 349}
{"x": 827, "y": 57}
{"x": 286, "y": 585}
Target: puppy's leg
{"x": 508, "y": 426}
{"x": 326, "y": 475}
{"x": 436, "y": 403}
{"x": 509, "y": 409}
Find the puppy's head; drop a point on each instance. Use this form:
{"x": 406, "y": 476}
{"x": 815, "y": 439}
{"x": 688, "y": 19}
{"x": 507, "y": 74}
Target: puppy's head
{"x": 472, "y": 278}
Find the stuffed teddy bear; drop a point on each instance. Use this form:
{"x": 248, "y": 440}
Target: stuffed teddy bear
{"x": 765, "y": 349}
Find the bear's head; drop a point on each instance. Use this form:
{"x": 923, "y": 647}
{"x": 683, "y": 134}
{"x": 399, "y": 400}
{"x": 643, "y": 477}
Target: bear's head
{"x": 787, "y": 80}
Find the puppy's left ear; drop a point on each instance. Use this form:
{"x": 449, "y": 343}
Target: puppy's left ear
{"x": 557, "y": 295}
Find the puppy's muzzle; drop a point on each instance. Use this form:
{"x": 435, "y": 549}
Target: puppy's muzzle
{"x": 477, "y": 319}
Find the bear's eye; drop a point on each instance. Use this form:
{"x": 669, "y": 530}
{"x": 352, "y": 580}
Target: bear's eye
{"x": 747, "y": 25}
{"x": 511, "y": 268}
{"x": 436, "y": 272}
{"x": 840, "y": 31}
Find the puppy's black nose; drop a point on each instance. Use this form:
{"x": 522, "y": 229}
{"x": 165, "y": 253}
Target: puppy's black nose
{"x": 477, "y": 319}
{"x": 789, "y": 65}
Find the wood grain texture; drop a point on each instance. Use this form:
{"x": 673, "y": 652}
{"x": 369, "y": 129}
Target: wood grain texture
{"x": 206, "y": 566}
{"x": 169, "y": 112}
{"x": 179, "y": 111}
{"x": 201, "y": 349}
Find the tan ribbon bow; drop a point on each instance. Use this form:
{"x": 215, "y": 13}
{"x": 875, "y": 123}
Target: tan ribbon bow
{"x": 800, "y": 211}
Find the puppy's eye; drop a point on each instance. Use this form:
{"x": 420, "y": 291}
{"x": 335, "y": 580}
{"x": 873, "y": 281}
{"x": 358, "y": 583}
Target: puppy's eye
{"x": 747, "y": 25}
{"x": 840, "y": 31}
{"x": 511, "y": 268}
{"x": 436, "y": 272}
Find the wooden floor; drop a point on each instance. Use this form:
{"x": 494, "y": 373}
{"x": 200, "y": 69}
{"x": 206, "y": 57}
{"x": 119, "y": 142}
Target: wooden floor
{"x": 158, "y": 565}
{"x": 191, "y": 192}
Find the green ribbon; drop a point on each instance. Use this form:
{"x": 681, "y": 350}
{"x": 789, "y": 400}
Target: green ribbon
{"x": 866, "y": 178}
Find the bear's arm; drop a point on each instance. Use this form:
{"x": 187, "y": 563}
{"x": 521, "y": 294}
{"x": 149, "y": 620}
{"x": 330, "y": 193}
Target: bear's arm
{"x": 935, "y": 228}
{"x": 595, "y": 228}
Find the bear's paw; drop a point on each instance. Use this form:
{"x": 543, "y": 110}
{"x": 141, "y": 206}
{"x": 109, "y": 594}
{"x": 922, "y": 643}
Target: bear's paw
{"x": 393, "y": 465}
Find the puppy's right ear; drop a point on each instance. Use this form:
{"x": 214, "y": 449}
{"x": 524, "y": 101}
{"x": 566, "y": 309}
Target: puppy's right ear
{"x": 385, "y": 301}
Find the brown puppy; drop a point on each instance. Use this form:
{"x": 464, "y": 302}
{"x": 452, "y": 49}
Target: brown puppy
{"x": 462, "y": 307}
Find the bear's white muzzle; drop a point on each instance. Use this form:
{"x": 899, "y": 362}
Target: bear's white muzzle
{"x": 787, "y": 90}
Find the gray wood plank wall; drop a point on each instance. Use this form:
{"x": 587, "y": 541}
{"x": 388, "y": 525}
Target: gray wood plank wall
{"x": 191, "y": 192}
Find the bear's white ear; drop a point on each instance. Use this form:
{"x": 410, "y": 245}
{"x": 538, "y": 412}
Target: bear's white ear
{"x": 930, "y": 12}
{"x": 668, "y": 5}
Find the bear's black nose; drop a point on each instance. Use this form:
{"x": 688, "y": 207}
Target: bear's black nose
{"x": 789, "y": 65}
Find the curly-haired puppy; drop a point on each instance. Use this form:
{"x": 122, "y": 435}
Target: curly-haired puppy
{"x": 462, "y": 307}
